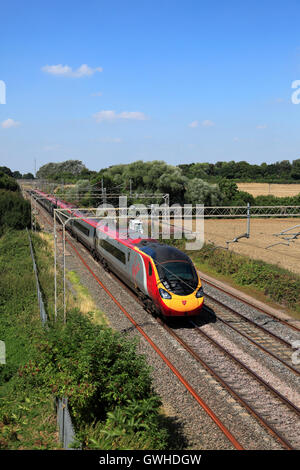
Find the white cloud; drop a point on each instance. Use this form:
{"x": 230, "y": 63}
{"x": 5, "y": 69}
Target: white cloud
{"x": 113, "y": 116}
{"x": 66, "y": 71}
{"x": 207, "y": 123}
{"x": 10, "y": 123}
{"x": 261, "y": 126}
{"x": 110, "y": 140}
{"x": 98, "y": 93}
{"x": 236, "y": 139}
{"x": 135, "y": 115}
{"x": 194, "y": 124}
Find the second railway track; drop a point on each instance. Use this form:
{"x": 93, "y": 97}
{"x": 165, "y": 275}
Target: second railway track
{"x": 274, "y": 411}
{"x": 271, "y": 343}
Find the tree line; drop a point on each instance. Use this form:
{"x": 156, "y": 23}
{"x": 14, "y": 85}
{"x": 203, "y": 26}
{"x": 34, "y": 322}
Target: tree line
{"x": 195, "y": 183}
{"x": 16, "y": 174}
{"x": 242, "y": 171}
{"x": 279, "y": 172}
{"x": 158, "y": 178}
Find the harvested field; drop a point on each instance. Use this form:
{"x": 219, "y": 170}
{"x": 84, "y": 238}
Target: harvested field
{"x": 265, "y": 189}
{"x": 261, "y": 235}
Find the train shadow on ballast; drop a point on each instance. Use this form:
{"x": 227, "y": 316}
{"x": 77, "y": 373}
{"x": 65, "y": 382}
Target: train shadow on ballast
{"x": 206, "y": 316}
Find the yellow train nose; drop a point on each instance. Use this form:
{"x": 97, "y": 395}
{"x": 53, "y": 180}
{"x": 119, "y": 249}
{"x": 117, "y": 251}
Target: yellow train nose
{"x": 187, "y": 303}
{"x": 183, "y": 304}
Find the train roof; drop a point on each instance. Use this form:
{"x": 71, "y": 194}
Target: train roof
{"x": 161, "y": 252}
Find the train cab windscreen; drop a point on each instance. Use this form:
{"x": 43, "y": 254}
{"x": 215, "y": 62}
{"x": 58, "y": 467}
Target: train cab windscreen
{"x": 179, "y": 277}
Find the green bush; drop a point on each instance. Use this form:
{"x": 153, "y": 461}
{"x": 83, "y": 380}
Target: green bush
{"x": 7, "y": 182}
{"x": 27, "y": 418}
{"x": 104, "y": 379}
{"x": 278, "y": 284}
{"x": 107, "y": 383}
{"x": 14, "y": 211}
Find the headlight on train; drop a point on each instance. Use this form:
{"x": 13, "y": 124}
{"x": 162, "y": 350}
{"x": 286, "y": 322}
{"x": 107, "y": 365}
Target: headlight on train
{"x": 164, "y": 294}
{"x": 200, "y": 293}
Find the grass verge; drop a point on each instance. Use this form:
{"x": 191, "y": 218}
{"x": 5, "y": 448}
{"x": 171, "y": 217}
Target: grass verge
{"x": 27, "y": 417}
{"x": 107, "y": 383}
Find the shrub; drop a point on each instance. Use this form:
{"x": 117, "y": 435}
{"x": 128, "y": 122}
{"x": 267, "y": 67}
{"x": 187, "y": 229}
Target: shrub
{"x": 14, "y": 211}
{"x": 102, "y": 376}
{"x": 278, "y": 284}
{"x": 107, "y": 383}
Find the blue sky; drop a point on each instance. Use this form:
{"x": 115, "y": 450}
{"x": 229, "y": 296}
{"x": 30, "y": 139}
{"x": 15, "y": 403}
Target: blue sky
{"x": 110, "y": 82}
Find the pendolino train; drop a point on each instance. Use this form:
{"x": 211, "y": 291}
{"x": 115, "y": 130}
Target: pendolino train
{"x": 163, "y": 277}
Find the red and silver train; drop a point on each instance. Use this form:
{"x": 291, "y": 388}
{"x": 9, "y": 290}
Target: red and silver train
{"x": 163, "y": 277}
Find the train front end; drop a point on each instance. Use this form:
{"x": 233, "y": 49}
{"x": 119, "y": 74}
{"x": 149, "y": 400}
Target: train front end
{"x": 179, "y": 289}
{"x": 176, "y": 287}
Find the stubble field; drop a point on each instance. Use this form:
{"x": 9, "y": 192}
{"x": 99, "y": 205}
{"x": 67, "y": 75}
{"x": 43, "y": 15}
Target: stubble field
{"x": 261, "y": 236}
{"x": 265, "y": 189}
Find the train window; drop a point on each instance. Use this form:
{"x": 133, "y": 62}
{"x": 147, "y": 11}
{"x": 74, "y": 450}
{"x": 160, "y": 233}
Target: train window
{"x": 82, "y": 228}
{"x": 128, "y": 256}
{"x": 150, "y": 269}
{"x": 113, "y": 250}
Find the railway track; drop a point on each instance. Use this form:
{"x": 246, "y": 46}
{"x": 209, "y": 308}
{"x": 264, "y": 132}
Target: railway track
{"x": 268, "y": 342}
{"x": 275, "y": 412}
{"x": 232, "y": 439}
{"x": 289, "y": 323}
{"x": 272, "y": 410}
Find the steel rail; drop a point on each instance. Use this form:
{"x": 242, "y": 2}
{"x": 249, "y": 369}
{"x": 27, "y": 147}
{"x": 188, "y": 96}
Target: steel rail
{"x": 255, "y": 325}
{"x": 241, "y": 400}
{"x": 186, "y": 384}
{"x": 245, "y": 367}
{"x": 250, "y": 304}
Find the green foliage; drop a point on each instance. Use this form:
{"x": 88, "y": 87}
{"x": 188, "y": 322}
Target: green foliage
{"x": 27, "y": 418}
{"x": 280, "y": 172}
{"x": 137, "y": 425}
{"x": 16, "y": 174}
{"x": 7, "y": 182}
{"x": 28, "y": 176}
{"x": 277, "y": 201}
{"x": 242, "y": 198}
{"x": 196, "y": 183}
{"x": 14, "y": 211}
{"x": 70, "y": 171}
{"x": 146, "y": 177}
{"x": 201, "y": 192}
{"x": 276, "y": 283}
{"x": 107, "y": 383}
{"x": 104, "y": 378}
{"x": 228, "y": 188}
{"x": 6, "y": 171}
{"x": 13, "y": 175}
